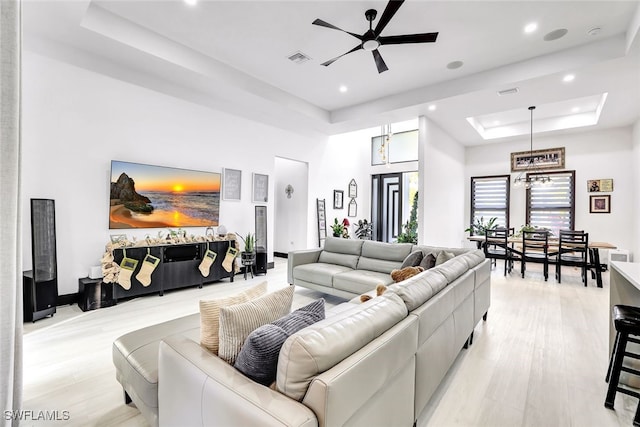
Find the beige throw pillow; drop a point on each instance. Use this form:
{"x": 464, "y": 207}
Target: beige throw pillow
{"x": 210, "y": 314}
{"x": 238, "y": 321}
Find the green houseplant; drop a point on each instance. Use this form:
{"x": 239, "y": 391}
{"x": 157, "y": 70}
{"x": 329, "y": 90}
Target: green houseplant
{"x": 410, "y": 233}
{"x": 479, "y": 227}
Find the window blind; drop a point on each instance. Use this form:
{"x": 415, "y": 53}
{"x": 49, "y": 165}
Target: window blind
{"x": 552, "y": 205}
{"x": 490, "y": 198}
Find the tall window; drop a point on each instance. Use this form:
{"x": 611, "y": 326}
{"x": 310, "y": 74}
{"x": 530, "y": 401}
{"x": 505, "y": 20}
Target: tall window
{"x": 490, "y": 198}
{"x": 553, "y": 205}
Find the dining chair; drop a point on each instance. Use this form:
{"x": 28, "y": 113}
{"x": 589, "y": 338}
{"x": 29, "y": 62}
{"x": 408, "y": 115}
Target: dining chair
{"x": 497, "y": 247}
{"x": 573, "y": 250}
{"x": 535, "y": 248}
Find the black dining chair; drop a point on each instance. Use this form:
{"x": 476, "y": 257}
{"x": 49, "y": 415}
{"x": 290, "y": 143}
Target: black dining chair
{"x": 535, "y": 248}
{"x": 573, "y": 250}
{"x": 496, "y": 247}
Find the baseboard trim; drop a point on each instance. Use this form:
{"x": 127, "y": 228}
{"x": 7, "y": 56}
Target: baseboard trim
{"x": 67, "y": 299}
{"x": 281, "y": 254}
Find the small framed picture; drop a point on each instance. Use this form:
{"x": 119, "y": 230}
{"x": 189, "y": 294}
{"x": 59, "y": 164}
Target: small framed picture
{"x": 600, "y": 185}
{"x": 600, "y": 204}
{"x": 260, "y": 188}
{"x": 232, "y": 184}
{"x": 338, "y": 197}
{"x": 353, "y": 189}
{"x": 353, "y": 208}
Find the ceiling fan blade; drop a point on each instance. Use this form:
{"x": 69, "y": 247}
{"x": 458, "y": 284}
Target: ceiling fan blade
{"x": 409, "y": 38}
{"x": 389, "y": 11}
{"x": 331, "y": 61}
{"x": 382, "y": 67}
{"x": 322, "y": 23}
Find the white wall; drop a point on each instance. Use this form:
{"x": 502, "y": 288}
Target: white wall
{"x": 76, "y": 121}
{"x": 635, "y": 188}
{"x": 291, "y": 212}
{"x": 593, "y": 155}
{"x": 442, "y": 186}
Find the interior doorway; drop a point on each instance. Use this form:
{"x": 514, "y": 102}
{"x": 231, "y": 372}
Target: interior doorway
{"x": 391, "y": 198}
{"x": 290, "y": 210}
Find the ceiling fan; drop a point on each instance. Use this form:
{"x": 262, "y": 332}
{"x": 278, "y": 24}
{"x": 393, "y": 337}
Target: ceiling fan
{"x": 371, "y": 39}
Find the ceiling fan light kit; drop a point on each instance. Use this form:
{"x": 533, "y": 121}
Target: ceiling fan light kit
{"x": 371, "y": 40}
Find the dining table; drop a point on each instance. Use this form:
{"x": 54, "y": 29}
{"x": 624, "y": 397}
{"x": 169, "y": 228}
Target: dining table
{"x": 594, "y": 252}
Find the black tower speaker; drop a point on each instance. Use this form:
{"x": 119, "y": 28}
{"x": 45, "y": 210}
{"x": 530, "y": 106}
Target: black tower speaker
{"x": 261, "y": 240}
{"x": 40, "y": 285}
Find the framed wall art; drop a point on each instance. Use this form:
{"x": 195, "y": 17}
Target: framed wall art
{"x": 600, "y": 185}
{"x": 260, "y": 188}
{"x": 551, "y": 158}
{"x": 231, "y": 184}
{"x": 353, "y": 189}
{"x": 353, "y": 208}
{"x": 338, "y": 199}
{"x": 600, "y": 204}
{"x": 322, "y": 224}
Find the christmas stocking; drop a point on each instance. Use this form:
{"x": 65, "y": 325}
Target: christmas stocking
{"x": 227, "y": 263}
{"x": 208, "y": 259}
{"x": 149, "y": 264}
{"x": 127, "y": 266}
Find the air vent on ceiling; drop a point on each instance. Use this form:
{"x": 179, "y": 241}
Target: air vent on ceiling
{"x": 298, "y": 57}
{"x": 508, "y": 91}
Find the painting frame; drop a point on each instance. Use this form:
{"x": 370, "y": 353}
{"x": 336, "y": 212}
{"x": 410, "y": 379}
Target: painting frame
{"x": 353, "y": 189}
{"x": 338, "y": 199}
{"x": 231, "y": 184}
{"x": 600, "y": 204}
{"x": 353, "y": 208}
{"x": 260, "y": 193}
{"x": 549, "y": 158}
{"x": 600, "y": 185}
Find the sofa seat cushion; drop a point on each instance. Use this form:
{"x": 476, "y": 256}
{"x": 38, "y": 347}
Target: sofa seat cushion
{"x": 360, "y": 281}
{"x": 322, "y": 345}
{"x": 135, "y": 356}
{"x": 319, "y": 272}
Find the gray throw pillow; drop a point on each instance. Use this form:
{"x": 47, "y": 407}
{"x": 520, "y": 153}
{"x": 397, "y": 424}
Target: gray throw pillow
{"x": 258, "y": 358}
{"x": 428, "y": 262}
{"x": 412, "y": 260}
{"x": 444, "y": 256}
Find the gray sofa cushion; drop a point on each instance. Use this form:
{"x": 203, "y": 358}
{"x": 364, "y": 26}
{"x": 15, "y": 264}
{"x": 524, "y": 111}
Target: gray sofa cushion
{"x": 343, "y": 246}
{"x": 444, "y": 256}
{"x": 413, "y": 259}
{"x": 380, "y": 250}
{"x": 319, "y": 273}
{"x": 418, "y": 289}
{"x": 376, "y": 264}
{"x": 322, "y": 345}
{"x": 473, "y": 258}
{"x": 337, "y": 258}
{"x": 360, "y": 281}
{"x": 451, "y": 269}
{"x": 258, "y": 358}
{"x": 428, "y": 261}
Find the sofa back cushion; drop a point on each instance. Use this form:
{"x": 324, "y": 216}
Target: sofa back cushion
{"x": 339, "y": 251}
{"x": 383, "y": 257}
{"x": 322, "y": 345}
{"x": 452, "y": 269}
{"x": 418, "y": 289}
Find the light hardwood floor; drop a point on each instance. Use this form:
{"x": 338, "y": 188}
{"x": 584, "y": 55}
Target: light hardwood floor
{"x": 539, "y": 360}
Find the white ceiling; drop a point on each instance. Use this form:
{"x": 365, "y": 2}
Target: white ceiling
{"x": 232, "y": 55}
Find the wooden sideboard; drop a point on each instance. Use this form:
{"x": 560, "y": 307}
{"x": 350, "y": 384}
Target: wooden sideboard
{"x": 178, "y": 267}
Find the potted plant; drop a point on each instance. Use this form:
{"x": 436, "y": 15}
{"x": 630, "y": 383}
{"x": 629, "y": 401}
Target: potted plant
{"x": 248, "y": 255}
{"x": 479, "y": 227}
{"x": 410, "y": 233}
{"x": 337, "y": 227}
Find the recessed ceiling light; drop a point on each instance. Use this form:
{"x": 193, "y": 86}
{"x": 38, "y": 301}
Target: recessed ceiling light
{"x": 454, "y": 64}
{"x": 191, "y": 2}
{"x": 568, "y": 78}
{"x": 531, "y": 27}
{"x": 432, "y": 107}
{"x": 343, "y": 88}
{"x": 555, "y": 34}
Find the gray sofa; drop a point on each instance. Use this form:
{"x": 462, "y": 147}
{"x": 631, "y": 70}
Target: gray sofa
{"x": 372, "y": 364}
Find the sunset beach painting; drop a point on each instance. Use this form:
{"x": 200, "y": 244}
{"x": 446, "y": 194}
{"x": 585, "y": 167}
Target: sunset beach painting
{"x": 146, "y": 196}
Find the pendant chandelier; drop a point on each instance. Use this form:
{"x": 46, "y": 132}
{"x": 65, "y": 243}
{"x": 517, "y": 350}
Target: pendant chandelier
{"x": 531, "y": 175}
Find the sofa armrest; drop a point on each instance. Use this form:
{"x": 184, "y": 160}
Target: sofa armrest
{"x": 197, "y": 388}
{"x": 295, "y": 258}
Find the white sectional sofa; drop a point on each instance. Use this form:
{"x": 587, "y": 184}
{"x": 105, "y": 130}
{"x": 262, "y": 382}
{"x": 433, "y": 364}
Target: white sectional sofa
{"x": 372, "y": 364}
